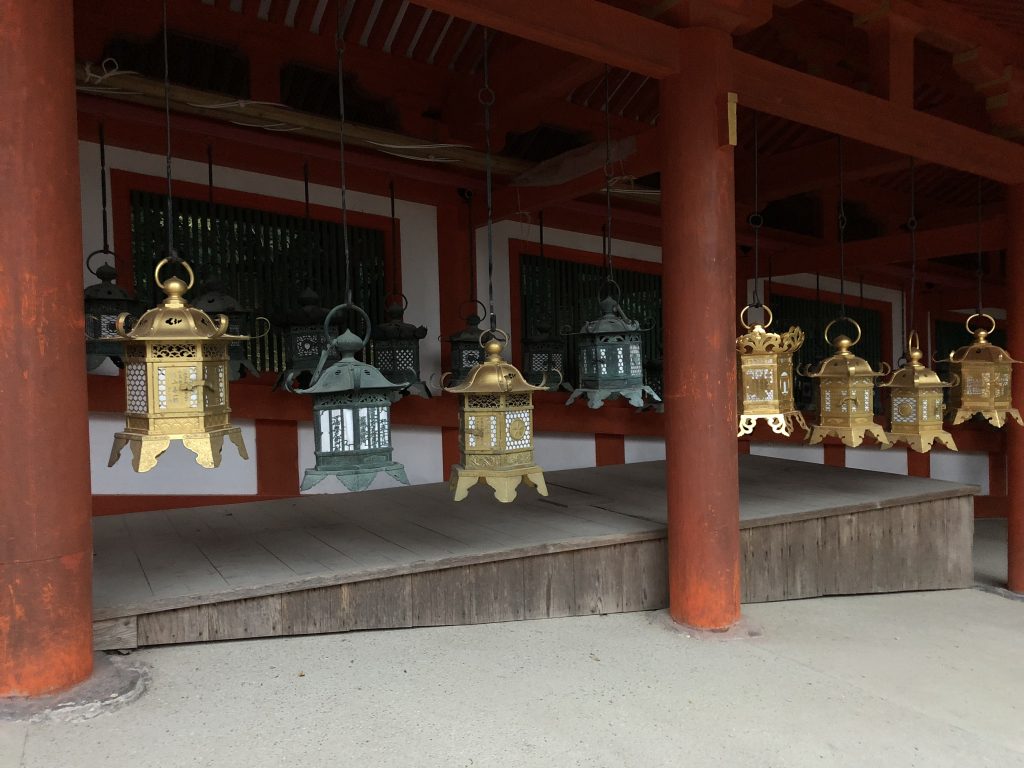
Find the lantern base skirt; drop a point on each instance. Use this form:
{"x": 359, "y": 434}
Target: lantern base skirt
{"x": 354, "y": 479}
{"x": 503, "y": 481}
{"x": 922, "y": 442}
{"x": 596, "y": 397}
{"x": 206, "y": 446}
{"x": 850, "y": 436}
{"x": 996, "y": 417}
{"x": 781, "y": 423}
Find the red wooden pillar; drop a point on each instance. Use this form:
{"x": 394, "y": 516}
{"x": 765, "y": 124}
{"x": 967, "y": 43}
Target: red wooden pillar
{"x": 45, "y": 534}
{"x": 699, "y": 283}
{"x": 1014, "y": 433}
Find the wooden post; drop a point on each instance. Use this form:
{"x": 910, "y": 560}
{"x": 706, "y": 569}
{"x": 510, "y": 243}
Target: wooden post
{"x": 45, "y": 516}
{"x": 1014, "y": 433}
{"x": 699, "y": 283}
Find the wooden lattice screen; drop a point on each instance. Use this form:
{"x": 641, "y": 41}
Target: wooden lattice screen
{"x": 265, "y": 260}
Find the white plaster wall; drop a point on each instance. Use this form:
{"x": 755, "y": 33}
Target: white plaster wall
{"x": 559, "y": 450}
{"x": 812, "y": 453}
{"x": 893, "y": 460}
{"x": 961, "y": 468}
{"x": 176, "y": 472}
{"x": 644, "y": 449}
{"x": 418, "y": 448}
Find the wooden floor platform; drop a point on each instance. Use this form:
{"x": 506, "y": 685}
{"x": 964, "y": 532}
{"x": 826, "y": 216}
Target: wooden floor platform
{"x": 409, "y": 557}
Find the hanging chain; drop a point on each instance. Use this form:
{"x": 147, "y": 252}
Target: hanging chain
{"x": 467, "y": 195}
{"x": 486, "y": 97}
{"x": 842, "y": 221}
{"x": 756, "y": 221}
{"x": 209, "y": 176}
{"x": 980, "y": 271}
{"x": 607, "y": 238}
{"x": 912, "y": 227}
{"x": 103, "y": 189}
{"x": 540, "y": 222}
{"x": 339, "y": 44}
{"x": 394, "y": 240}
{"x": 167, "y": 121}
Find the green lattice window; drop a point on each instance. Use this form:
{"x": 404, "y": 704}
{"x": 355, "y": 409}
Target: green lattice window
{"x": 264, "y": 259}
{"x": 564, "y": 294}
{"x": 812, "y": 316}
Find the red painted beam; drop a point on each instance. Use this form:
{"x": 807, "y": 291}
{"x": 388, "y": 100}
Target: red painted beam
{"x": 786, "y": 93}
{"x": 586, "y": 28}
{"x": 45, "y": 532}
{"x": 1014, "y": 433}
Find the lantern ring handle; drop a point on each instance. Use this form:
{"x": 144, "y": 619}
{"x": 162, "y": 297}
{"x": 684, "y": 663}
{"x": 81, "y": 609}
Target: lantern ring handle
{"x": 743, "y": 315}
{"x": 266, "y": 331}
{"x": 913, "y": 341}
{"x": 851, "y": 321}
{"x": 402, "y": 296}
{"x": 358, "y": 310}
{"x": 119, "y": 325}
{"x": 166, "y": 261}
{"x": 610, "y": 288}
{"x": 97, "y": 252}
{"x": 991, "y": 320}
{"x": 492, "y": 333}
{"x": 475, "y": 302}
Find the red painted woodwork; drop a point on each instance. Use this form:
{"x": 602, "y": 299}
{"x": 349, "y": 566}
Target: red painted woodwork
{"x": 45, "y": 533}
{"x": 787, "y": 93}
{"x": 835, "y": 453}
{"x": 699, "y": 286}
{"x": 1015, "y": 433}
{"x": 277, "y": 457}
{"x": 891, "y": 57}
{"x": 609, "y": 449}
{"x": 919, "y": 464}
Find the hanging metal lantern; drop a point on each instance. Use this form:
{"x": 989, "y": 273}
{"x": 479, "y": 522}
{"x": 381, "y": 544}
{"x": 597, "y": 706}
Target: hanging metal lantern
{"x": 915, "y": 408}
{"x": 766, "y": 377}
{"x": 466, "y": 350}
{"x": 395, "y": 349}
{"x": 610, "y": 356}
{"x": 104, "y": 303}
{"x": 543, "y": 356}
{"x": 351, "y": 414}
{"x": 304, "y": 336}
{"x": 845, "y": 394}
{"x": 984, "y": 374}
{"x": 176, "y": 377}
{"x": 215, "y": 300}
{"x": 496, "y": 426}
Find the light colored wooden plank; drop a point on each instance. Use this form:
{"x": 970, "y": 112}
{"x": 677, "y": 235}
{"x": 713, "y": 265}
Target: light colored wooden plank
{"x": 549, "y": 587}
{"x": 598, "y": 574}
{"x": 115, "y": 634}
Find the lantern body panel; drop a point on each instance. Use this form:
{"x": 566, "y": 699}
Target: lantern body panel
{"x": 543, "y": 362}
{"x": 104, "y": 303}
{"x": 765, "y": 390}
{"x": 983, "y": 387}
{"x": 395, "y": 350}
{"x": 495, "y": 430}
{"x": 176, "y": 383}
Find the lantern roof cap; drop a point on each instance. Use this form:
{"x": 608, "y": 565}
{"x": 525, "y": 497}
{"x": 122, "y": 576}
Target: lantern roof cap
{"x": 612, "y": 319}
{"x": 981, "y": 351}
{"x": 215, "y": 298}
{"x": 107, "y": 289}
{"x": 347, "y": 374}
{"x": 173, "y": 320}
{"x": 494, "y": 374}
{"x": 472, "y": 330}
{"x": 913, "y": 375}
{"x": 395, "y": 327}
{"x": 758, "y": 341}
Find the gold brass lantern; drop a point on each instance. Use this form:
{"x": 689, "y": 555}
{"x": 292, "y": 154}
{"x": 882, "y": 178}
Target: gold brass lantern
{"x": 766, "y": 377}
{"x": 176, "y": 376}
{"x": 915, "y": 409}
{"x": 984, "y": 373}
{"x": 496, "y": 426}
{"x": 846, "y": 397}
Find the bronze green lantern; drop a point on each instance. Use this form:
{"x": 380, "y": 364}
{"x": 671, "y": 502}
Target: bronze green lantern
{"x": 104, "y": 303}
{"x": 610, "y": 356}
{"x": 216, "y": 300}
{"x": 544, "y": 355}
{"x": 465, "y": 344}
{"x": 351, "y": 414}
{"x": 395, "y": 348}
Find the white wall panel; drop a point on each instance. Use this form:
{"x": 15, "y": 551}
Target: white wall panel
{"x": 812, "y": 453}
{"x": 644, "y": 449}
{"x": 555, "y": 450}
{"x": 961, "y": 468}
{"x": 893, "y": 460}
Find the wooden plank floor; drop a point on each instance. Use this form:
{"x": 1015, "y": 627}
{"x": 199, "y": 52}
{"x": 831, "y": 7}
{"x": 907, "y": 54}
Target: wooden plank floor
{"x": 417, "y": 541}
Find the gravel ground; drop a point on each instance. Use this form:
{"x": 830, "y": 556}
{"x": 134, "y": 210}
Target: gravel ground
{"x": 923, "y": 679}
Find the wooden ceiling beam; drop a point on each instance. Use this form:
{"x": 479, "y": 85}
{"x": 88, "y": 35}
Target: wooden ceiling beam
{"x": 585, "y": 28}
{"x": 802, "y": 98}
